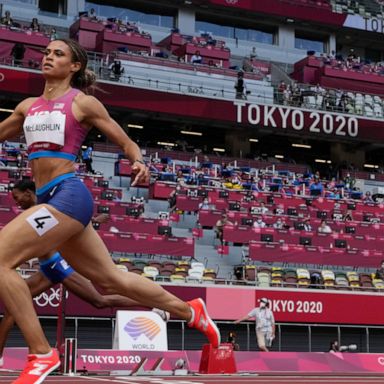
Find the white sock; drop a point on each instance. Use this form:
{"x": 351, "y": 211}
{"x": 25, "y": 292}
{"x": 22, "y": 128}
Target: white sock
{"x": 41, "y": 356}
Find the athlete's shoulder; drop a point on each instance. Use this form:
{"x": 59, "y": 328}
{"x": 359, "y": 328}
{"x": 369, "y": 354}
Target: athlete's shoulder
{"x": 85, "y": 101}
{"x": 25, "y": 105}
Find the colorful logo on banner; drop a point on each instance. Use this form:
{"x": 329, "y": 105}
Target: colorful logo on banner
{"x": 140, "y": 331}
{"x": 142, "y": 326}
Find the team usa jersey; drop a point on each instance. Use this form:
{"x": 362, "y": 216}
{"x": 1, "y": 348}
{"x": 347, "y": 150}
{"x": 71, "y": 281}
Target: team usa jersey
{"x": 51, "y": 129}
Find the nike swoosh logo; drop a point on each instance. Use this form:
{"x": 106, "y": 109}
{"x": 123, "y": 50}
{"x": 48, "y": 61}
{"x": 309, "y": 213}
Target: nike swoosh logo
{"x": 53, "y": 191}
{"x": 34, "y": 108}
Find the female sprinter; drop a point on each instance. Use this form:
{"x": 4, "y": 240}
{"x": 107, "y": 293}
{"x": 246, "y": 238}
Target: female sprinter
{"x": 55, "y": 125}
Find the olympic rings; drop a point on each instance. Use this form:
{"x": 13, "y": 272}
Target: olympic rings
{"x": 49, "y": 298}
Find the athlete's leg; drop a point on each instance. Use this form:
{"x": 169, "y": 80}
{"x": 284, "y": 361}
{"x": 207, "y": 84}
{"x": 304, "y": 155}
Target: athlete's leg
{"x": 84, "y": 289}
{"x": 37, "y": 284}
{"x": 88, "y": 255}
{"x": 21, "y": 240}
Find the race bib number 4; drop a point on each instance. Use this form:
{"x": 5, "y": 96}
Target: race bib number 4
{"x": 42, "y": 221}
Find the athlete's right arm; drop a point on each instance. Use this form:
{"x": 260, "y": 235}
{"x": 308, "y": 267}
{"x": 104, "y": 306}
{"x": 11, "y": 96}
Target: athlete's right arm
{"x": 13, "y": 124}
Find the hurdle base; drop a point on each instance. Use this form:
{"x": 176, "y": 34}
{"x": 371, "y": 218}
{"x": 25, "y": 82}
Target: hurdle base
{"x": 217, "y": 360}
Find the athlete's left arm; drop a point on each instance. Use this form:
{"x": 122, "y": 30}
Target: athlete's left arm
{"x": 92, "y": 113}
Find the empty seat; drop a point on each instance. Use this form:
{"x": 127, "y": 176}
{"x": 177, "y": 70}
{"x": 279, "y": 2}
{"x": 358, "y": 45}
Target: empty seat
{"x": 180, "y": 271}
{"x": 341, "y": 281}
{"x": 250, "y": 272}
{"x": 328, "y": 278}
{"x": 378, "y": 283}
{"x": 151, "y": 272}
{"x": 177, "y": 279}
{"x": 194, "y": 275}
{"x": 209, "y": 272}
{"x": 122, "y": 267}
{"x": 197, "y": 266}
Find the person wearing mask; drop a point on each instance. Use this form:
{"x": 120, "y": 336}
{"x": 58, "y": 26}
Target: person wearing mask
{"x": 205, "y": 204}
{"x": 219, "y": 227}
{"x": 259, "y": 223}
{"x": 324, "y": 227}
{"x": 265, "y": 324}
{"x": 278, "y": 224}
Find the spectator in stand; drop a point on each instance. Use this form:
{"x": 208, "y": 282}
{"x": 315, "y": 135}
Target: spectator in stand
{"x": 349, "y": 182}
{"x": 7, "y": 19}
{"x": 287, "y": 95}
{"x": 324, "y": 227}
{"x": 196, "y": 58}
{"x": 240, "y": 87}
{"x": 253, "y": 54}
{"x": 205, "y": 204}
{"x": 263, "y": 209}
{"x": 317, "y": 186}
{"x": 219, "y": 227}
{"x": 259, "y": 223}
{"x": 368, "y": 198}
{"x": 17, "y": 53}
{"x": 280, "y": 92}
{"x": 53, "y": 34}
{"x": 380, "y": 271}
{"x": 116, "y": 69}
{"x": 92, "y": 14}
{"x": 35, "y": 26}
{"x": 334, "y": 347}
{"x": 172, "y": 198}
{"x": 348, "y": 215}
{"x": 307, "y": 225}
{"x": 87, "y": 159}
{"x": 278, "y": 224}
{"x": 247, "y": 65}
{"x": 120, "y": 26}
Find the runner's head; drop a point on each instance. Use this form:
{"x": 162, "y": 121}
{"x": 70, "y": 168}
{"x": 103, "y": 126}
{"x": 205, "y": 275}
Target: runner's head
{"x": 66, "y": 57}
{"x": 24, "y": 194}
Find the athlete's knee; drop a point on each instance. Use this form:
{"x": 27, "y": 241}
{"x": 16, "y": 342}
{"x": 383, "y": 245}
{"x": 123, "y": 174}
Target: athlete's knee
{"x": 99, "y": 302}
{"x": 110, "y": 283}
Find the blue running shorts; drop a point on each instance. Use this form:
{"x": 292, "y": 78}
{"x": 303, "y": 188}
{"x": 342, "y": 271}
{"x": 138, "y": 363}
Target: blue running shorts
{"x": 56, "y": 269}
{"x": 69, "y": 195}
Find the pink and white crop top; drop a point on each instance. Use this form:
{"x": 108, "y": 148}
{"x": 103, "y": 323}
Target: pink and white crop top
{"x": 51, "y": 130}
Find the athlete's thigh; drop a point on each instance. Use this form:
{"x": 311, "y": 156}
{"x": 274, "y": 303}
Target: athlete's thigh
{"x": 89, "y": 256}
{"x": 38, "y": 283}
{"x": 81, "y": 287}
{"x": 33, "y": 233}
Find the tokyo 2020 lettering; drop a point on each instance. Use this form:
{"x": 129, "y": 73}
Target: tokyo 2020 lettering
{"x": 295, "y": 119}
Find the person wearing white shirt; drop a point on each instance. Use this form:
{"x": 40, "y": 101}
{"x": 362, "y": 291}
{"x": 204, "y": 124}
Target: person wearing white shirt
{"x": 265, "y": 324}
{"x": 259, "y": 223}
{"x": 324, "y": 227}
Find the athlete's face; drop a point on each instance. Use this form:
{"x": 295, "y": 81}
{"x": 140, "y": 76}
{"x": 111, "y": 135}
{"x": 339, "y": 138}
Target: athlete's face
{"x": 24, "y": 199}
{"x": 57, "y": 61}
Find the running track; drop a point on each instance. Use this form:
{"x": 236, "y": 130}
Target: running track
{"x": 212, "y": 379}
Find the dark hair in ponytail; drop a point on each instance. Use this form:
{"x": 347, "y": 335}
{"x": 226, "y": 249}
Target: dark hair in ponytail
{"x": 84, "y": 78}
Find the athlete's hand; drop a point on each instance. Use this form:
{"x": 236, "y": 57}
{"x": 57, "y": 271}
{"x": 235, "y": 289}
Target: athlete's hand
{"x": 141, "y": 171}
